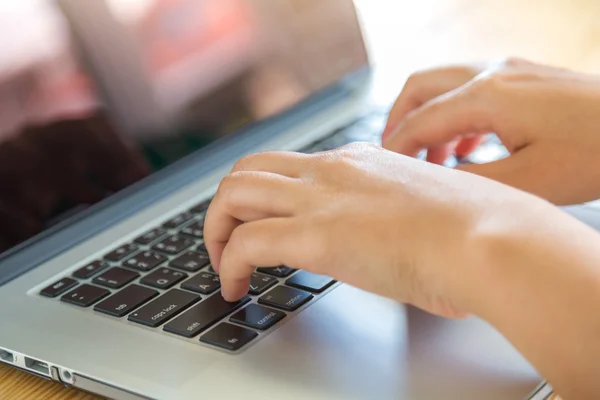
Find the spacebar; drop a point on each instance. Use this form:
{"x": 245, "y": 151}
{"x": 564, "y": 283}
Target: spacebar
{"x": 202, "y": 316}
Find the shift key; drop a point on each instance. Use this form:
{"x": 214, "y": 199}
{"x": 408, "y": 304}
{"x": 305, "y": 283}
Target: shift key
{"x": 163, "y": 308}
{"x": 204, "y": 315}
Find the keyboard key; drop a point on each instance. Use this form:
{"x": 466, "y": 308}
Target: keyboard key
{"x": 151, "y": 236}
{"x": 173, "y": 244}
{"x": 126, "y": 300}
{"x": 204, "y": 283}
{"x": 163, "y": 278}
{"x": 121, "y": 252}
{"x": 85, "y": 295}
{"x": 179, "y": 220}
{"x": 145, "y": 261}
{"x": 90, "y": 270}
{"x": 285, "y": 298}
{"x": 116, "y": 277}
{"x": 229, "y": 337}
{"x": 163, "y": 308}
{"x": 201, "y": 208}
{"x": 190, "y": 261}
{"x": 259, "y": 283}
{"x": 58, "y": 287}
{"x": 211, "y": 269}
{"x": 203, "y": 315}
{"x": 202, "y": 248}
{"x": 310, "y": 282}
{"x": 257, "y": 317}
{"x": 194, "y": 230}
{"x": 280, "y": 272}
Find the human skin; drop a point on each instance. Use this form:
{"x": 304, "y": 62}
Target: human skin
{"x": 451, "y": 242}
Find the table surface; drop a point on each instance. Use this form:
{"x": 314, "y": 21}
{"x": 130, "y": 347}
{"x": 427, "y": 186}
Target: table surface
{"x": 411, "y": 35}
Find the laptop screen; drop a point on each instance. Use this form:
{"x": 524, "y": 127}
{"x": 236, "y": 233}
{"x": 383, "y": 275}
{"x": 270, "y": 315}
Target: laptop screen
{"x": 96, "y": 95}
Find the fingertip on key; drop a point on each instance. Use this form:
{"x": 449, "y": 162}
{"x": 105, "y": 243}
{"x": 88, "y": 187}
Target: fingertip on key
{"x": 233, "y": 291}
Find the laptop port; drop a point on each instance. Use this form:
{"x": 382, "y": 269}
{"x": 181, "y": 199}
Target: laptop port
{"x": 37, "y": 366}
{"x": 7, "y": 356}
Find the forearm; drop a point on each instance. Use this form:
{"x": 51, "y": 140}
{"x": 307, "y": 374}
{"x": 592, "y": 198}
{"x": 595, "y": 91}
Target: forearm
{"x": 539, "y": 284}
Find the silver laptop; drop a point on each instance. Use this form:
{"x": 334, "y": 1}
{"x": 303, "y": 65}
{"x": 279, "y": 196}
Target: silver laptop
{"x": 116, "y": 295}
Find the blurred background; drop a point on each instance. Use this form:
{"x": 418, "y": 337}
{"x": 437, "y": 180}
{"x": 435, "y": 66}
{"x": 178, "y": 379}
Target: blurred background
{"x": 98, "y": 94}
{"x": 405, "y": 36}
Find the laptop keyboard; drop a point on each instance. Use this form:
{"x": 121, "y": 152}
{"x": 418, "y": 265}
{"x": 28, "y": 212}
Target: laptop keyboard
{"x": 163, "y": 279}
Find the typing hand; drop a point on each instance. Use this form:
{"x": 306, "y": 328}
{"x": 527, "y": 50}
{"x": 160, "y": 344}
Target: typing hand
{"x": 547, "y": 118}
{"x": 363, "y": 215}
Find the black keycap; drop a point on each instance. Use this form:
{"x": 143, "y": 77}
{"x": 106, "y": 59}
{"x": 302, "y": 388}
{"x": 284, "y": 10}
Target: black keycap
{"x": 201, "y": 208}
{"x": 90, "y": 270}
{"x": 203, "y": 315}
{"x": 121, "y": 252}
{"x": 145, "y": 261}
{"x": 126, "y": 300}
{"x": 257, "y": 317}
{"x": 285, "y": 298}
{"x": 194, "y": 230}
{"x": 163, "y": 308}
{"x": 58, "y": 287}
{"x": 228, "y": 336}
{"x": 163, "y": 278}
{"x": 190, "y": 261}
{"x": 173, "y": 244}
{"x": 85, "y": 295}
{"x": 151, "y": 236}
{"x": 259, "y": 283}
{"x": 116, "y": 277}
{"x": 204, "y": 283}
{"x": 202, "y": 248}
{"x": 311, "y": 282}
{"x": 280, "y": 272}
{"x": 179, "y": 220}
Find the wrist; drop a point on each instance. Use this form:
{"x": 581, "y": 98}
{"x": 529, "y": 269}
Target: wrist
{"x": 507, "y": 251}
{"x": 532, "y": 275}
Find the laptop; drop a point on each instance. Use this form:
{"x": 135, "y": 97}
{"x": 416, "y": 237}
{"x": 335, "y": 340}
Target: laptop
{"x": 116, "y": 296}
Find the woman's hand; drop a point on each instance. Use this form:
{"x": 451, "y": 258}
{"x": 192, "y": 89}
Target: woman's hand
{"x": 443, "y": 240}
{"x": 548, "y": 118}
{"x": 363, "y": 215}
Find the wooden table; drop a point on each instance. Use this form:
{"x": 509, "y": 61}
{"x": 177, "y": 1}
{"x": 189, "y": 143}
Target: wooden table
{"x": 413, "y": 34}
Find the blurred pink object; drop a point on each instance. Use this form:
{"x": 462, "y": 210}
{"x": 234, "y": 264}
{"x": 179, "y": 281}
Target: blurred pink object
{"x": 39, "y": 77}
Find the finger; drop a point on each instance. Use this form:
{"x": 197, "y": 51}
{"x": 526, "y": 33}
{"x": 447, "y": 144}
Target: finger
{"x": 467, "y": 145}
{"x": 268, "y": 242}
{"x": 424, "y": 86}
{"x": 463, "y": 111}
{"x": 518, "y": 170}
{"x": 439, "y": 154}
{"x": 286, "y": 163}
{"x": 245, "y": 196}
